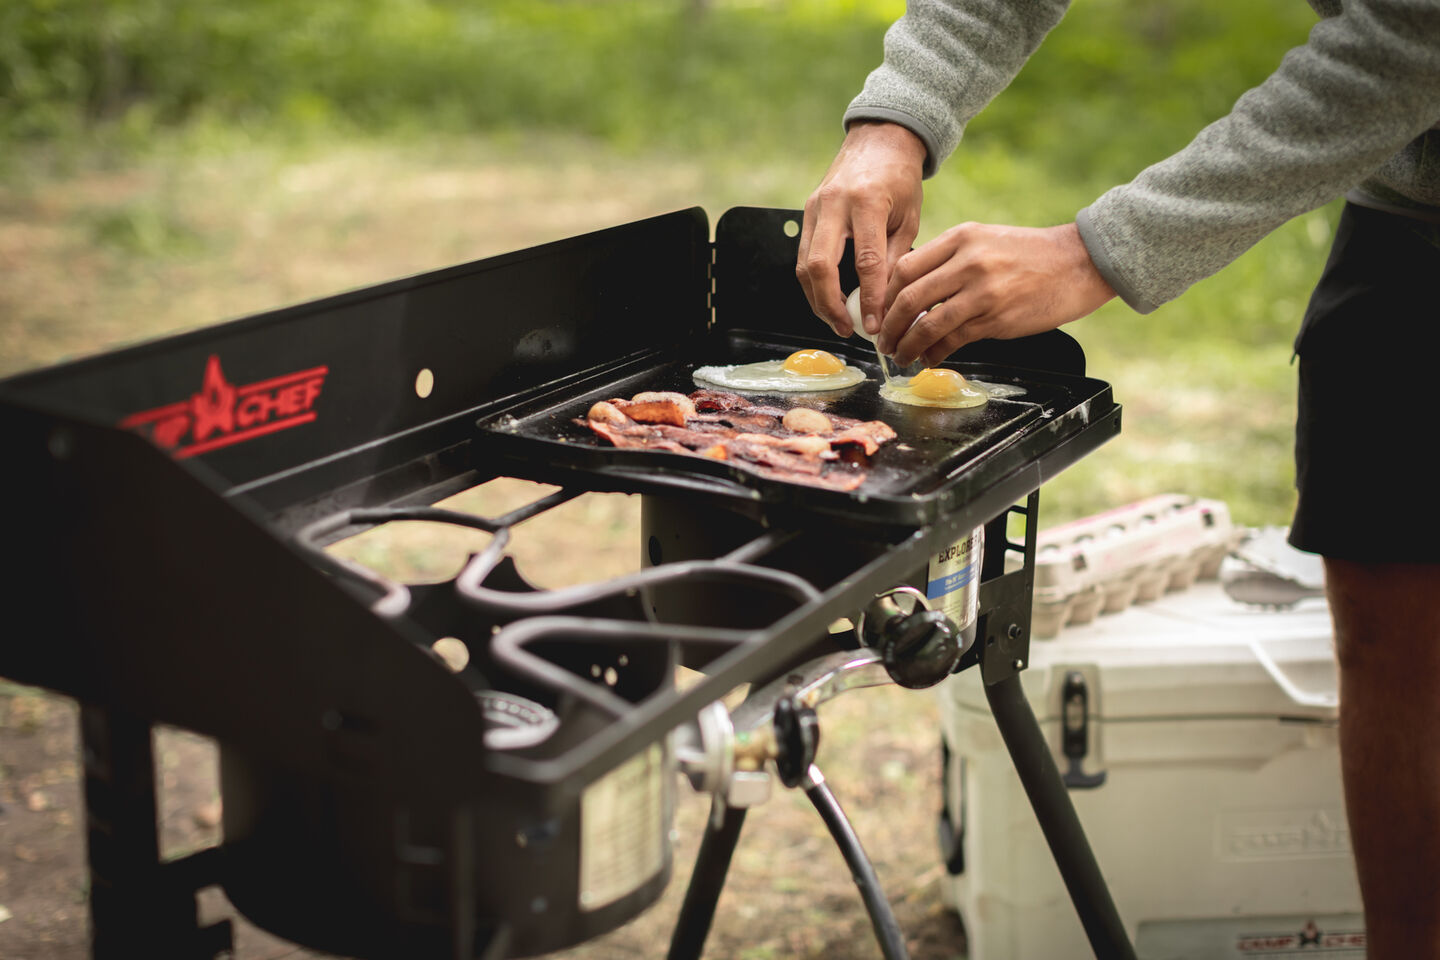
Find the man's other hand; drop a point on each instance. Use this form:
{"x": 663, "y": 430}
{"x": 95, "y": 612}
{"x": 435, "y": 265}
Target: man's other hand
{"x": 976, "y": 281}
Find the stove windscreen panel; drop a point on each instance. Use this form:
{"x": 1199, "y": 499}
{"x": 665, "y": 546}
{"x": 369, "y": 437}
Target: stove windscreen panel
{"x": 315, "y": 388}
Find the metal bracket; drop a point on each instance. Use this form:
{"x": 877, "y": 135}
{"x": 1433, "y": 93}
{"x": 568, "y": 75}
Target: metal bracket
{"x": 1002, "y": 645}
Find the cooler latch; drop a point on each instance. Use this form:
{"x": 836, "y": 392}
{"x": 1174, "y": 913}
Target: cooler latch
{"x": 1075, "y": 732}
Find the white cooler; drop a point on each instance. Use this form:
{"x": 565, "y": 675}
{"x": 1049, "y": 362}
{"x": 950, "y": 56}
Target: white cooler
{"x": 1220, "y": 824}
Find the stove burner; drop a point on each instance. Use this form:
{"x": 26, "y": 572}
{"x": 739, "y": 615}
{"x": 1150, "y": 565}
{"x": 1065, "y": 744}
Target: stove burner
{"x": 514, "y": 723}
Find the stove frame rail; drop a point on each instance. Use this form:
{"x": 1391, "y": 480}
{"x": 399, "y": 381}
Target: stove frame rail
{"x": 185, "y": 584}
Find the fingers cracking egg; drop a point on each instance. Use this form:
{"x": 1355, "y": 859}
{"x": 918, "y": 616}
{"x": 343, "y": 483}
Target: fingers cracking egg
{"x": 802, "y": 371}
{"x": 852, "y": 305}
{"x": 935, "y": 387}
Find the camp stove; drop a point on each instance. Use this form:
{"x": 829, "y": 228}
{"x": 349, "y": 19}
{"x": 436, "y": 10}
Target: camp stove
{"x": 379, "y": 801}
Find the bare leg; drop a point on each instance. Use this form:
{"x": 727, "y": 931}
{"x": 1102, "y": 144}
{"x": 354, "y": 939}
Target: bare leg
{"x": 1387, "y": 638}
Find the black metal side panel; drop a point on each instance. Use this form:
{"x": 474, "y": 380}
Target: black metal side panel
{"x": 312, "y": 389}
{"x": 146, "y": 591}
{"x": 756, "y": 289}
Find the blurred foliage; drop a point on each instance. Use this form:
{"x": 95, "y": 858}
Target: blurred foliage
{"x": 688, "y": 75}
{"x": 656, "y": 71}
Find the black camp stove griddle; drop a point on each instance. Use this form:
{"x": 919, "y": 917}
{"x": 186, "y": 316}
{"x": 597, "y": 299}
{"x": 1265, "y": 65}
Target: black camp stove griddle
{"x": 940, "y": 460}
{"x": 175, "y": 494}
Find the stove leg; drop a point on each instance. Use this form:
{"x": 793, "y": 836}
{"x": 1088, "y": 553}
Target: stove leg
{"x": 136, "y": 902}
{"x": 1056, "y": 814}
{"x": 708, "y": 879}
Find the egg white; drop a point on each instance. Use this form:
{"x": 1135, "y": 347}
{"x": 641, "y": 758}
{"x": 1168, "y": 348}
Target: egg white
{"x": 771, "y": 376}
{"x": 971, "y": 394}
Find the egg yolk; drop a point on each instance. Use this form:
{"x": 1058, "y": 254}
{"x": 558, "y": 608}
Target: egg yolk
{"x": 810, "y": 363}
{"x": 936, "y": 384}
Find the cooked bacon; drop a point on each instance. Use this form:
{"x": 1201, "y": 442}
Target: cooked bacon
{"x": 797, "y": 446}
{"x": 869, "y": 435}
{"x": 748, "y": 422}
{"x": 818, "y": 447}
{"x": 686, "y": 405}
{"x": 745, "y": 447}
{"x": 654, "y": 411}
{"x": 718, "y": 401}
{"x": 644, "y": 437}
{"x": 709, "y": 401}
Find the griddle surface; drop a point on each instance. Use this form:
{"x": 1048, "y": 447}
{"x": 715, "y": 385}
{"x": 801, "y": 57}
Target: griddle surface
{"x": 936, "y": 451}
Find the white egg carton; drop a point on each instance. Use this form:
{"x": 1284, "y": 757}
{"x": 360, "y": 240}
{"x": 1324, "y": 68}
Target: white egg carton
{"x": 1132, "y": 554}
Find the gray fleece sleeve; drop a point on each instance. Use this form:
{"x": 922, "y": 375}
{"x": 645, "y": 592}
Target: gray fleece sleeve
{"x": 945, "y": 60}
{"x": 1365, "y": 84}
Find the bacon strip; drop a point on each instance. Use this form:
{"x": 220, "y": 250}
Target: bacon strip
{"x": 653, "y": 411}
{"x": 622, "y": 436}
{"x": 797, "y": 446}
{"x": 870, "y": 435}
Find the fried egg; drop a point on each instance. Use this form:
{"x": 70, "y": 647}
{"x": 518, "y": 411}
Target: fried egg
{"x": 802, "y": 371}
{"x": 934, "y": 387}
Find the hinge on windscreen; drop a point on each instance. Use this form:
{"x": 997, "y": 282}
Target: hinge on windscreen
{"x": 710, "y": 294}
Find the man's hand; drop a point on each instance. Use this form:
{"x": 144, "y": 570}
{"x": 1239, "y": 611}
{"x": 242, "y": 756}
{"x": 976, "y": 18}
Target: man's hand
{"x": 871, "y": 193}
{"x": 979, "y": 281}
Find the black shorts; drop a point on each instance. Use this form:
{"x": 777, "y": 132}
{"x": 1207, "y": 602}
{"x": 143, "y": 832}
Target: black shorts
{"x": 1368, "y": 432}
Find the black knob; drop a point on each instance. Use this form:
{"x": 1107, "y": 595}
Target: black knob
{"x": 797, "y": 737}
{"x": 921, "y": 649}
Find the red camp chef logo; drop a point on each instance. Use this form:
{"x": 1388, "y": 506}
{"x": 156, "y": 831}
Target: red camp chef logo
{"x": 222, "y": 413}
{"x": 1308, "y": 941}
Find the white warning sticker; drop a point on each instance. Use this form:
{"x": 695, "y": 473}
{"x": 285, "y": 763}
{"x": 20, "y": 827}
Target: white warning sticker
{"x": 623, "y": 829}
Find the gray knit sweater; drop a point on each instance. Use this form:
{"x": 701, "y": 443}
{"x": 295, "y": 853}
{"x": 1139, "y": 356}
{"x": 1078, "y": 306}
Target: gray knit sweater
{"x": 1353, "y": 111}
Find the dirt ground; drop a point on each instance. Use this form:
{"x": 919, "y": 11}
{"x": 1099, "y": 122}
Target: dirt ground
{"x": 788, "y": 893}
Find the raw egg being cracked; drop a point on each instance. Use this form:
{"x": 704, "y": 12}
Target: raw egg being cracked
{"x": 934, "y": 387}
{"x": 802, "y": 371}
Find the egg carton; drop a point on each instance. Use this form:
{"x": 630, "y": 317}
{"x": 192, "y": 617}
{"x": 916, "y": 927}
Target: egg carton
{"x": 1132, "y": 554}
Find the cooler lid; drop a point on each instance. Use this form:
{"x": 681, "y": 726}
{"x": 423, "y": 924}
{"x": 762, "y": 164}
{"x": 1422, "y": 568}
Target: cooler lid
{"x": 1193, "y": 654}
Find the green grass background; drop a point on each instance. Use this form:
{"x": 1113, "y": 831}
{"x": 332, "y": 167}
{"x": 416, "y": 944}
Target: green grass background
{"x": 744, "y": 94}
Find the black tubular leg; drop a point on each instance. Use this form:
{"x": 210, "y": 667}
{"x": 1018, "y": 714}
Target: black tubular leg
{"x": 1056, "y": 814}
{"x": 882, "y": 918}
{"x": 708, "y": 879}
